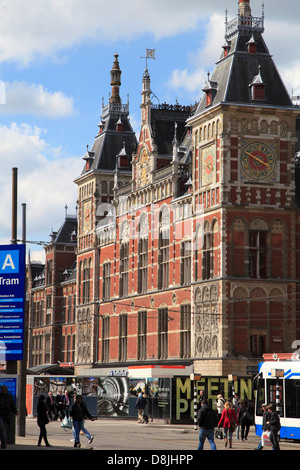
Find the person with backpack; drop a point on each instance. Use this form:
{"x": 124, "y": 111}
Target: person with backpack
{"x": 207, "y": 420}
{"x": 7, "y": 406}
{"x": 274, "y": 426}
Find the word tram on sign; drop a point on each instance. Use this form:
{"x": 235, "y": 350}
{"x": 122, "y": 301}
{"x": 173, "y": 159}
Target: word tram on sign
{"x": 12, "y": 302}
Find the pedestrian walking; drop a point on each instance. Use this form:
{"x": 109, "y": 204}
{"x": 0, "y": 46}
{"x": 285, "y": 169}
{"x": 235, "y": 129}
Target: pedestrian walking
{"x": 140, "y": 405}
{"x": 245, "y": 420}
{"x": 7, "y": 406}
{"x": 235, "y": 402}
{"x": 79, "y": 413}
{"x": 42, "y": 420}
{"x": 274, "y": 426}
{"x": 207, "y": 421}
{"x": 59, "y": 406}
{"x": 237, "y": 410}
{"x": 265, "y": 426}
{"x": 220, "y": 405}
{"x": 66, "y": 403}
{"x": 229, "y": 422}
{"x": 146, "y": 412}
{"x": 50, "y": 406}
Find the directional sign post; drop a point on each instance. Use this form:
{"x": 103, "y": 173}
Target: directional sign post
{"x": 12, "y": 302}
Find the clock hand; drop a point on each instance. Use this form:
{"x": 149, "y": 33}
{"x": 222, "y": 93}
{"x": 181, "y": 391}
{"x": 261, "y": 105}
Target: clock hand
{"x": 258, "y": 159}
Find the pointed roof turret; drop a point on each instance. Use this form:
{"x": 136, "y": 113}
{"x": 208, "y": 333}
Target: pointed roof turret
{"x": 245, "y": 61}
{"x": 108, "y": 142}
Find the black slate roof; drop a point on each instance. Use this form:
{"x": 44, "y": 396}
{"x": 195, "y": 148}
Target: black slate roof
{"x": 163, "y": 120}
{"x": 233, "y": 74}
{"x": 110, "y": 141}
{"x": 67, "y": 229}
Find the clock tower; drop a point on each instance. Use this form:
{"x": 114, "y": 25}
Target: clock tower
{"x": 244, "y": 133}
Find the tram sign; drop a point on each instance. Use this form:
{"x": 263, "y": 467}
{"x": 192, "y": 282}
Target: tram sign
{"x": 12, "y": 301}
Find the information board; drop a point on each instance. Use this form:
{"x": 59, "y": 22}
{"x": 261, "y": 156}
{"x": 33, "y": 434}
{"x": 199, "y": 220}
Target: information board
{"x": 11, "y": 383}
{"x": 12, "y": 302}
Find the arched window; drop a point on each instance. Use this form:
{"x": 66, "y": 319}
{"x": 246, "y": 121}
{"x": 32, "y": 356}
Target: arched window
{"x": 258, "y": 249}
{"x": 85, "y": 281}
{"x": 198, "y": 252}
{"x": 143, "y": 254}
{"x": 106, "y": 276}
{"x": 105, "y": 338}
{"x": 185, "y": 330}
{"x": 163, "y": 248}
{"x": 124, "y": 261}
{"x": 186, "y": 262}
{"x": 207, "y": 250}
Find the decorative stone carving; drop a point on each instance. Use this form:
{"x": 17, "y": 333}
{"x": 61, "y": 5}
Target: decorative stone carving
{"x": 206, "y": 321}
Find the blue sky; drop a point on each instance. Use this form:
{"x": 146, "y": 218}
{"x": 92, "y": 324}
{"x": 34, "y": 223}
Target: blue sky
{"x": 55, "y": 62}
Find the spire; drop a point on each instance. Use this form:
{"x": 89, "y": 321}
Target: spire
{"x": 115, "y": 81}
{"x": 146, "y": 97}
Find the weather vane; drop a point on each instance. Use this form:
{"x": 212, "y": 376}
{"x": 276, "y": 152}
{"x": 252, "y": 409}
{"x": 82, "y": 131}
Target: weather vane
{"x": 150, "y": 54}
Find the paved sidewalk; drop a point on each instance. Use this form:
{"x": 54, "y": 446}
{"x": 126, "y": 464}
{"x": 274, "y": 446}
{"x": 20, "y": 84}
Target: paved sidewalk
{"x": 129, "y": 436}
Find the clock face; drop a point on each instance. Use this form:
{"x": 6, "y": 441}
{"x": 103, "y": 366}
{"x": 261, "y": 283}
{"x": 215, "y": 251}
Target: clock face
{"x": 209, "y": 164}
{"x": 258, "y": 161}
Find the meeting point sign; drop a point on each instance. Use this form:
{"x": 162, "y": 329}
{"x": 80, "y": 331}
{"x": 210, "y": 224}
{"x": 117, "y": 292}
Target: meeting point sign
{"x": 12, "y": 302}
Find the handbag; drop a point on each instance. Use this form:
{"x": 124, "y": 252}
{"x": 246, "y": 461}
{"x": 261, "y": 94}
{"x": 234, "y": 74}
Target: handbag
{"x": 233, "y": 426}
{"x": 219, "y": 434}
{"x": 265, "y": 439}
{"x": 66, "y": 424}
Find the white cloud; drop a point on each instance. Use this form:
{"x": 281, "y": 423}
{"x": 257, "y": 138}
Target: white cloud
{"x": 40, "y": 28}
{"x": 24, "y": 98}
{"x": 36, "y": 28}
{"x": 191, "y": 81}
{"x": 45, "y": 184}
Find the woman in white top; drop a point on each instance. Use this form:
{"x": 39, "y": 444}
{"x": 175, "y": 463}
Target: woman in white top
{"x": 220, "y": 405}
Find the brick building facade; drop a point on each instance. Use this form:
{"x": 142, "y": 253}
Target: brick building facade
{"x": 188, "y": 239}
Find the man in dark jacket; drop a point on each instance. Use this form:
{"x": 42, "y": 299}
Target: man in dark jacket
{"x": 265, "y": 426}
{"x": 274, "y": 425}
{"x": 78, "y": 413}
{"x": 7, "y": 406}
{"x": 207, "y": 423}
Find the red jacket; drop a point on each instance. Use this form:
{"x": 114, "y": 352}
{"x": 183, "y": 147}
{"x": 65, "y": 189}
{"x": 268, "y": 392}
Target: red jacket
{"x": 227, "y": 418}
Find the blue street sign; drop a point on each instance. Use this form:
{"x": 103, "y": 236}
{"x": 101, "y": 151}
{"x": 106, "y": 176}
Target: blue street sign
{"x": 12, "y": 302}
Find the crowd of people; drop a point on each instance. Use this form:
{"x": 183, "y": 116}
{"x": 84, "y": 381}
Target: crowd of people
{"x": 233, "y": 416}
{"x": 60, "y": 407}
{"x": 229, "y": 417}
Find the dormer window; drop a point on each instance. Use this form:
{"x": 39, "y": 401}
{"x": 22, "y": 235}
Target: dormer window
{"x": 119, "y": 126}
{"x": 208, "y": 98}
{"x": 123, "y": 161}
{"x": 251, "y": 46}
{"x": 226, "y": 48}
{"x": 89, "y": 158}
{"x": 101, "y": 127}
{"x": 258, "y": 92}
{"x": 258, "y": 87}
{"x": 123, "y": 158}
{"x": 210, "y": 88}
